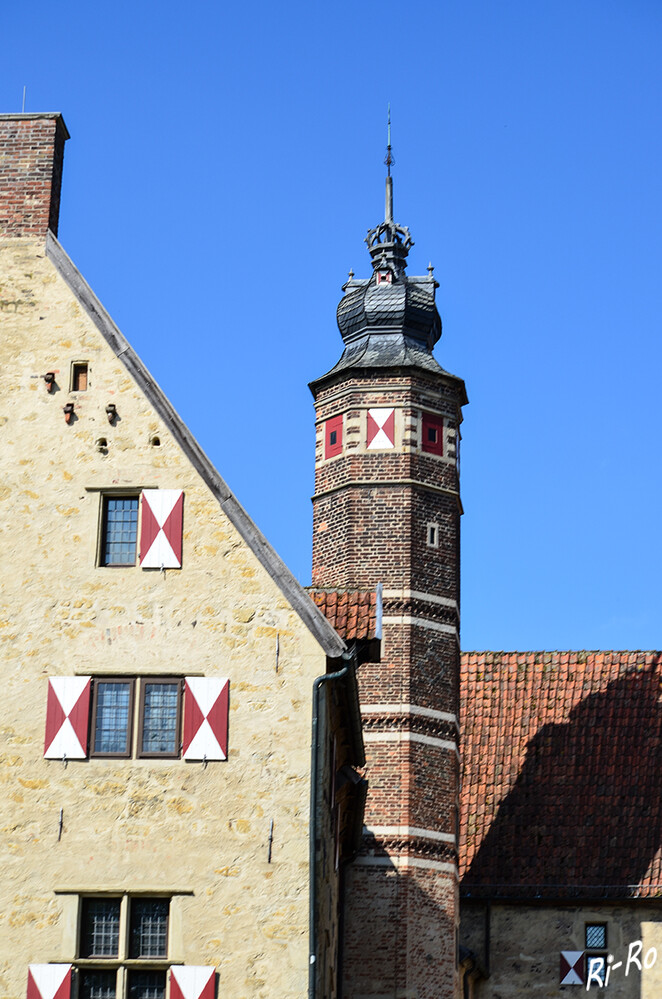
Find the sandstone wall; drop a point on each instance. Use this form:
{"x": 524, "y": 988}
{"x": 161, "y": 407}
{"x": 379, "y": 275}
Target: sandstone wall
{"x": 200, "y": 833}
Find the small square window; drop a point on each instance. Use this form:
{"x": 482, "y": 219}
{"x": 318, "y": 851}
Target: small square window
{"x": 112, "y": 712}
{"x": 432, "y": 433}
{"x": 149, "y": 927}
{"x": 160, "y": 712}
{"x": 596, "y": 936}
{"x": 79, "y": 376}
{"x": 333, "y": 437}
{"x": 119, "y": 531}
{"x": 100, "y": 927}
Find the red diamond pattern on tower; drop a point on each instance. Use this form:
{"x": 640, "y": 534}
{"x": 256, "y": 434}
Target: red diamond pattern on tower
{"x": 67, "y": 713}
{"x": 381, "y": 429}
{"x": 161, "y": 528}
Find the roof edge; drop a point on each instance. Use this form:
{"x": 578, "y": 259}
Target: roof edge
{"x": 34, "y": 115}
{"x": 290, "y": 587}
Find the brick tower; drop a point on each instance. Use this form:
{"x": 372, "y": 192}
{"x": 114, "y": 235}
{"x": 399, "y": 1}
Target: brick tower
{"x": 387, "y": 511}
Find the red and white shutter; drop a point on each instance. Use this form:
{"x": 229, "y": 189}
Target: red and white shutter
{"x": 572, "y": 967}
{"x": 49, "y": 981}
{"x": 161, "y": 522}
{"x": 190, "y": 981}
{"x": 206, "y": 701}
{"x": 381, "y": 429}
{"x": 67, "y": 717}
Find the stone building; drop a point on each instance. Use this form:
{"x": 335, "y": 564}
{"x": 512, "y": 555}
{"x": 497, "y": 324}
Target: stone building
{"x": 165, "y": 829}
{"x": 186, "y": 808}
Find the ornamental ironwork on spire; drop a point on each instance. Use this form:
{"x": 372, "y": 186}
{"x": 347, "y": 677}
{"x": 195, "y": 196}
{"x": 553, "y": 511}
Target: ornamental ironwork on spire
{"x": 389, "y": 243}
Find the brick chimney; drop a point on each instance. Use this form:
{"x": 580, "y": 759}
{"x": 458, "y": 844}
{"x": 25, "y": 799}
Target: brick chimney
{"x": 31, "y": 154}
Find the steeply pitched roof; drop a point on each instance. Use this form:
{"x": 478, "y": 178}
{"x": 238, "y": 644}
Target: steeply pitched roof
{"x": 562, "y": 759}
{"x": 355, "y": 614}
{"x": 295, "y": 594}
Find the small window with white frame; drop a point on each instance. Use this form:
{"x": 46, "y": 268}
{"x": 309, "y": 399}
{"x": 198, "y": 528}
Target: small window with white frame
{"x": 432, "y": 535}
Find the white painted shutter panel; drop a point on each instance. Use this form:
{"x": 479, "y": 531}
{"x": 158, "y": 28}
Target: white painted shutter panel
{"x": 49, "y": 981}
{"x": 206, "y": 701}
{"x": 67, "y": 718}
{"x": 190, "y": 981}
{"x": 161, "y": 525}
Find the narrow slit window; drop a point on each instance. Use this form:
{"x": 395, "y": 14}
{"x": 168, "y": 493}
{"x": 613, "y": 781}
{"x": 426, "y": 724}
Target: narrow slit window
{"x": 433, "y": 535}
{"x": 79, "y": 376}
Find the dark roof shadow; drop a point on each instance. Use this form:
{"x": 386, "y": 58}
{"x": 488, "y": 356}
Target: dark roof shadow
{"x": 584, "y": 817}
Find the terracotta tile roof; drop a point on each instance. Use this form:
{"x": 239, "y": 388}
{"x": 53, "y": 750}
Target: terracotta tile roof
{"x": 353, "y": 613}
{"x": 562, "y": 774}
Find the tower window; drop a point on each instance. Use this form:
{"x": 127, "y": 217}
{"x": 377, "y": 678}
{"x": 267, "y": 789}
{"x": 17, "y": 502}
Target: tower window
{"x": 79, "y": 376}
{"x": 433, "y": 535}
{"x": 433, "y": 434}
{"x": 333, "y": 437}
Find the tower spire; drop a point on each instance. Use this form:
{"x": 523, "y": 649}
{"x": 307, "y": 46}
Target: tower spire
{"x": 389, "y": 161}
{"x": 389, "y": 242}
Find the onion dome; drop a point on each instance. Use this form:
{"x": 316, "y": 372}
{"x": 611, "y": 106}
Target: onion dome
{"x": 389, "y": 303}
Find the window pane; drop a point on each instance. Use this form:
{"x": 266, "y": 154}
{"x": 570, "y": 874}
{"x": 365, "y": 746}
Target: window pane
{"x": 147, "y": 984}
{"x": 160, "y": 733}
{"x": 97, "y": 984}
{"x": 100, "y": 927}
{"x": 112, "y": 717}
{"x": 596, "y": 936}
{"x": 120, "y": 530}
{"x": 149, "y": 927}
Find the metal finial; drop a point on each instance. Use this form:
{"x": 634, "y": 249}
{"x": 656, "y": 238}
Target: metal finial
{"x": 351, "y": 274}
{"x": 430, "y": 269}
{"x": 389, "y": 161}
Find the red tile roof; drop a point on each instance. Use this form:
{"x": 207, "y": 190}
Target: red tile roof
{"x": 562, "y": 765}
{"x": 353, "y": 613}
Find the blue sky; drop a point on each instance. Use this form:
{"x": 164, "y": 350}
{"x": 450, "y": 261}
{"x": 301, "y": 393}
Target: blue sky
{"x": 224, "y": 166}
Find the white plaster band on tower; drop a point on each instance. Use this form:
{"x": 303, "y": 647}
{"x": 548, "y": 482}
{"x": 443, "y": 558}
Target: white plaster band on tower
{"x": 398, "y": 861}
{"x": 421, "y": 622}
{"x": 412, "y": 831}
{"x": 427, "y": 740}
